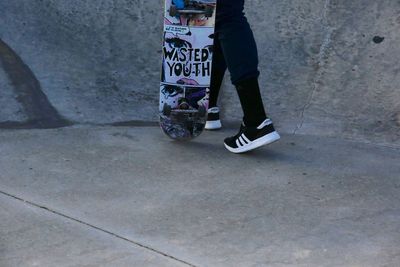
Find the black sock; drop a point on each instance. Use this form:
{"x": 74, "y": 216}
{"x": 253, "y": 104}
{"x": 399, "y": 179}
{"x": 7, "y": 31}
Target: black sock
{"x": 251, "y": 101}
{"x": 216, "y": 82}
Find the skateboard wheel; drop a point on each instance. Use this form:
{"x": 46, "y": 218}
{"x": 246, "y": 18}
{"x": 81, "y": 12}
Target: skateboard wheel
{"x": 173, "y": 11}
{"x": 209, "y": 11}
{"x": 167, "y": 110}
{"x": 202, "y": 111}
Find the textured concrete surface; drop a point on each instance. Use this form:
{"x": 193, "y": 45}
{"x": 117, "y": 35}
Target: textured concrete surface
{"x": 325, "y": 70}
{"x": 305, "y": 201}
{"x": 97, "y": 62}
{"x": 357, "y": 87}
{"x": 31, "y": 236}
{"x": 11, "y": 110}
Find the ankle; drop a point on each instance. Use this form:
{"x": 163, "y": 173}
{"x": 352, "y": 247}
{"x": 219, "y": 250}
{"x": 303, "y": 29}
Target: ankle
{"x": 255, "y": 121}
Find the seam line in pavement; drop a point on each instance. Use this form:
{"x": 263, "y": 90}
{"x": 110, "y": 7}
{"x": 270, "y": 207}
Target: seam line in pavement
{"x": 97, "y": 228}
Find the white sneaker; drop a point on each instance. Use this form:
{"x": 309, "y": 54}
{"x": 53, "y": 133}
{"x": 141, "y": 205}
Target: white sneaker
{"x": 213, "y": 121}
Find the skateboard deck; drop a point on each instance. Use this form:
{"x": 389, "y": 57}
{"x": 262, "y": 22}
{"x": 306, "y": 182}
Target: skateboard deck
{"x": 186, "y": 67}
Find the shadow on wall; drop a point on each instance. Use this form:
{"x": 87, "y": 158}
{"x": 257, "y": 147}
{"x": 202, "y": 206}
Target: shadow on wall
{"x": 38, "y": 109}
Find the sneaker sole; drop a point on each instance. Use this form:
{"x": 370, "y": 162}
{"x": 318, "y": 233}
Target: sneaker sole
{"x": 213, "y": 125}
{"x": 265, "y": 140}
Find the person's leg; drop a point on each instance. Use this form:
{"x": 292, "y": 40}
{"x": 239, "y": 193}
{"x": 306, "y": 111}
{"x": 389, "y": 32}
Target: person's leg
{"x": 240, "y": 52}
{"x": 218, "y": 72}
{"x": 217, "y": 76}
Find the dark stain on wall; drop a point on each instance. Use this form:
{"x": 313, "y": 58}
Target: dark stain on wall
{"x": 378, "y": 39}
{"x": 38, "y": 109}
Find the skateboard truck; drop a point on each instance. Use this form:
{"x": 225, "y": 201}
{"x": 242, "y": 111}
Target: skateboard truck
{"x": 184, "y": 110}
{"x": 192, "y": 8}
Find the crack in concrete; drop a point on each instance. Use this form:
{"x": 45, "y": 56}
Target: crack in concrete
{"x": 97, "y": 228}
{"x": 322, "y": 55}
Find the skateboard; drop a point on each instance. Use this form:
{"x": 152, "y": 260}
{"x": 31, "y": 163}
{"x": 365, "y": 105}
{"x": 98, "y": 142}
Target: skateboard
{"x": 186, "y": 67}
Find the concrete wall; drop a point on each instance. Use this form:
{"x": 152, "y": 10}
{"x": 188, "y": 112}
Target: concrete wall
{"x": 99, "y": 62}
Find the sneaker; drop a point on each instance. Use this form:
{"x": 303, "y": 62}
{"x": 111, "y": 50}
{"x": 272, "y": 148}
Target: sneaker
{"x": 250, "y": 138}
{"x": 213, "y": 121}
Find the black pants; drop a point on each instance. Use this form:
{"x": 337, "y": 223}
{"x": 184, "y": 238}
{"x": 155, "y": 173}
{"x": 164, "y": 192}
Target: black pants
{"x": 234, "y": 45}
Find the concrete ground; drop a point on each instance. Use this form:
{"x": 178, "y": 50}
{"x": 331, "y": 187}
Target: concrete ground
{"x": 128, "y": 196}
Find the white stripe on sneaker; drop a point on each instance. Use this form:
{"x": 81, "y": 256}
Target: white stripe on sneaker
{"x": 238, "y": 144}
{"x": 264, "y": 123}
{"x": 241, "y": 140}
{"x": 246, "y": 139}
{"x": 213, "y": 110}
